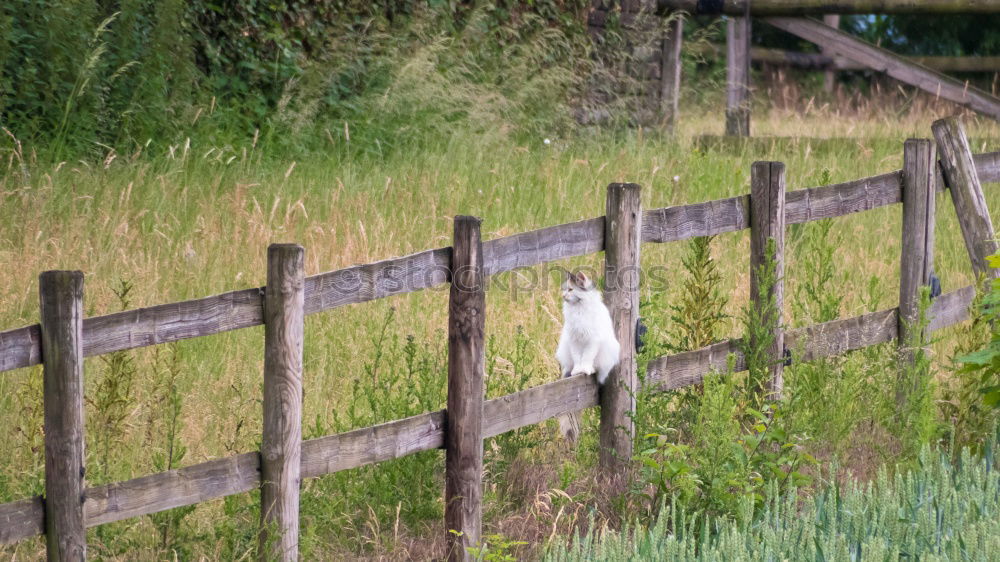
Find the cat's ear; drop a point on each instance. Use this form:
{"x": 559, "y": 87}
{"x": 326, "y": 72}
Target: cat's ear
{"x": 581, "y": 279}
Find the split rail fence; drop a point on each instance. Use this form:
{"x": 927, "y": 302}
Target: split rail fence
{"x": 840, "y": 50}
{"x": 63, "y": 338}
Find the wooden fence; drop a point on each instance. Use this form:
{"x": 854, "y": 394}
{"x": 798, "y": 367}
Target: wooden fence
{"x": 63, "y": 338}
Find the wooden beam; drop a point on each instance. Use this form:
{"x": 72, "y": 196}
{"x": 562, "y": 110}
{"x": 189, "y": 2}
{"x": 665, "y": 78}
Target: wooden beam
{"x": 817, "y": 7}
{"x": 61, "y": 311}
{"x": 934, "y": 83}
{"x": 916, "y": 262}
{"x": 767, "y": 260}
{"x": 960, "y": 174}
{"x": 738, "y": 77}
{"x": 463, "y": 507}
{"x": 281, "y": 443}
{"x": 623, "y": 227}
{"x": 670, "y": 71}
{"x": 830, "y": 77}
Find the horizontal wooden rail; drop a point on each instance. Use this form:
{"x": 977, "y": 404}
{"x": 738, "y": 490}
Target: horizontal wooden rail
{"x": 395, "y": 439}
{"x": 166, "y": 323}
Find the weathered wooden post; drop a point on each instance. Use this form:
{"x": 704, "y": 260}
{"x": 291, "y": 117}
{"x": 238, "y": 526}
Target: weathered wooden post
{"x": 767, "y": 227}
{"x": 966, "y": 193}
{"x": 622, "y": 236}
{"x": 916, "y": 263}
{"x": 670, "y": 71}
{"x": 830, "y": 76}
{"x": 281, "y": 444}
{"x": 61, "y": 310}
{"x": 738, "y": 75}
{"x": 463, "y": 511}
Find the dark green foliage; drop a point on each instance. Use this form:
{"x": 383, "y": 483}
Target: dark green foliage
{"x": 985, "y": 363}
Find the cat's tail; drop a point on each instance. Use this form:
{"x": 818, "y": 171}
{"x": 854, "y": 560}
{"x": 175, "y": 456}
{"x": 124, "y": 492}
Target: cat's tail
{"x": 569, "y": 426}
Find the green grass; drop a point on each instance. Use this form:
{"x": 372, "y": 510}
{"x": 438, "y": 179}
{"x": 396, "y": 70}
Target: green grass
{"x": 941, "y": 510}
{"x": 198, "y": 223}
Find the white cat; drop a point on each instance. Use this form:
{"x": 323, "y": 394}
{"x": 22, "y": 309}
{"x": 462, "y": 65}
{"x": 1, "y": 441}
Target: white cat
{"x": 587, "y": 344}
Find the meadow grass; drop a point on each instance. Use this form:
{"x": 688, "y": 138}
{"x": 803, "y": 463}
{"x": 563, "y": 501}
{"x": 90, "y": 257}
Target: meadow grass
{"x": 196, "y": 220}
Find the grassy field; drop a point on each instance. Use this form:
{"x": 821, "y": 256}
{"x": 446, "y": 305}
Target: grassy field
{"x": 196, "y": 220}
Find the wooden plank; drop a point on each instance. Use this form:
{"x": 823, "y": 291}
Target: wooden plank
{"x": 363, "y": 283}
{"x": 838, "y": 337}
{"x": 767, "y": 259}
{"x": 622, "y": 238}
{"x": 22, "y": 519}
{"x": 738, "y": 76}
{"x": 966, "y": 191}
{"x": 463, "y": 511}
{"x": 670, "y": 71}
{"x": 174, "y": 488}
{"x": 61, "y": 312}
{"x": 20, "y": 347}
{"x": 898, "y": 67}
{"x": 371, "y": 445}
{"x": 281, "y": 441}
{"x": 543, "y": 245}
{"x": 538, "y": 404}
{"x": 804, "y": 205}
{"x": 816, "y": 7}
{"x": 988, "y": 166}
{"x": 669, "y": 224}
{"x": 671, "y": 372}
{"x": 819, "y": 61}
{"x": 950, "y": 308}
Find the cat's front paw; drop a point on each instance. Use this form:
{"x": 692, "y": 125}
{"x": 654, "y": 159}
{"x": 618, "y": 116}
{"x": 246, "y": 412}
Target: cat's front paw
{"x": 585, "y": 370}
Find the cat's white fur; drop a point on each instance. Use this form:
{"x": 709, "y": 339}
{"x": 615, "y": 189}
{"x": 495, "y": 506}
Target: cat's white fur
{"x": 587, "y": 343}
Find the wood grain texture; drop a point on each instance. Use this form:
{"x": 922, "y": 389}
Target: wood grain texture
{"x": 669, "y": 224}
{"x": 363, "y": 283}
{"x": 463, "y": 511}
{"x": 22, "y": 519}
{"x": 738, "y": 76}
{"x": 767, "y": 259}
{"x": 950, "y": 308}
{"x": 988, "y": 166}
{"x": 174, "y": 488}
{"x": 898, "y": 67}
{"x": 670, "y": 72}
{"x": 622, "y": 238}
{"x": 828, "y": 201}
{"x": 817, "y": 61}
{"x": 61, "y": 312}
{"x": 543, "y": 245}
{"x": 538, "y": 404}
{"x": 370, "y": 445}
{"x": 916, "y": 261}
{"x": 838, "y": 337}
{"x": 966, "y": 191}
{"x": 281, "y": 441}
{"x": 671, "y": 372}
{"x": 830, "y": 76}
{"x": 816, "y": 7}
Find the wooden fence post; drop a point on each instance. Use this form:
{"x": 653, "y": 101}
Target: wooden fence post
{"x": 463, "y": 512}
{"x": 916, "y": 264}
{"x": 966, "y": 193}
{"x": 670, "y": 71}
{"x": 830, "y": 76}
{"x": 61, "y": 311}
{"x": 281, "y": 443}
{"x": 738, "y": 76}
{"x": 767, "y": 223}
{"x": 622, "y": 235}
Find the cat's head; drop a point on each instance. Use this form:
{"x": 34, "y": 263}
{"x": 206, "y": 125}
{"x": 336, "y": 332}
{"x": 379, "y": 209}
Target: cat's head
{"x": 577, "y": 286}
